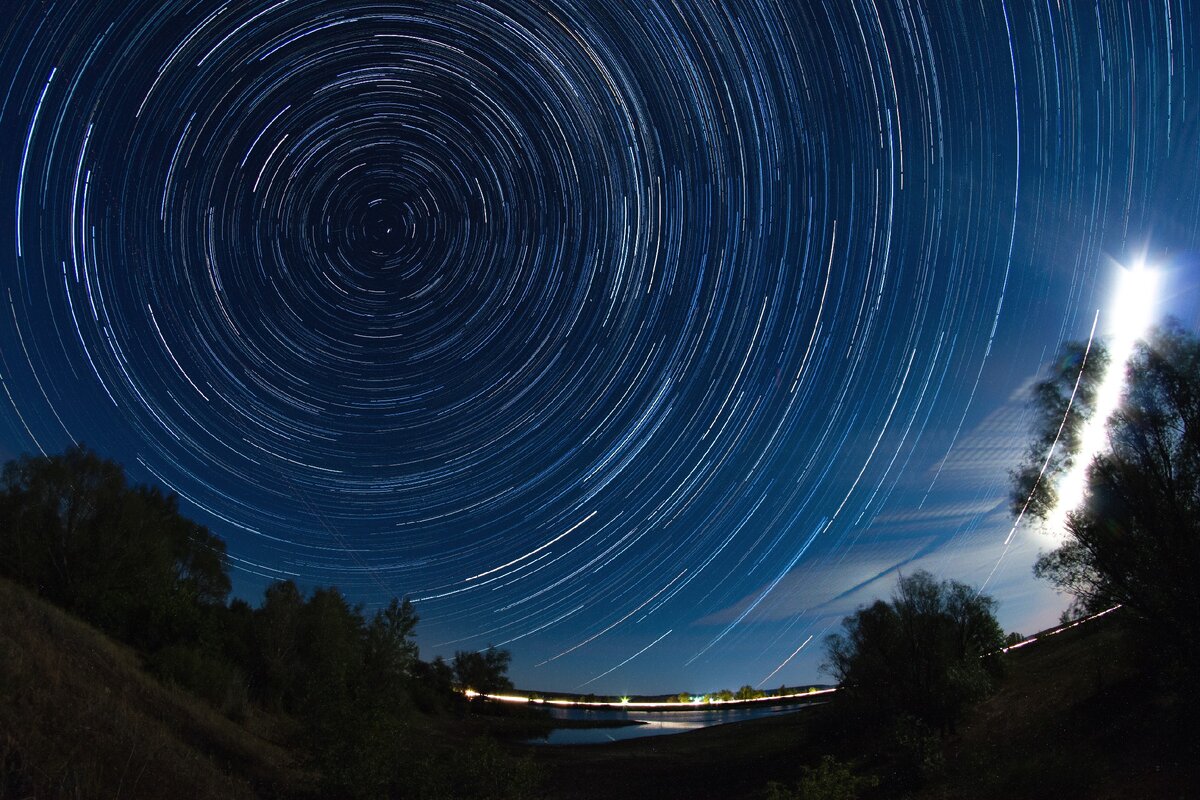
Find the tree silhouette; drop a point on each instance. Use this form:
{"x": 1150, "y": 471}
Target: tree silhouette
{"x": 1135, "y": 540}
{"x": 919, "y": 655}
{"x": 122, "y": 557}
{"x": 485, "y": 671}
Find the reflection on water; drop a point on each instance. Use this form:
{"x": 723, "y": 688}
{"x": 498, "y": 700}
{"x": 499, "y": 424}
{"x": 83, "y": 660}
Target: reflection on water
{"x": 657, "y": 723}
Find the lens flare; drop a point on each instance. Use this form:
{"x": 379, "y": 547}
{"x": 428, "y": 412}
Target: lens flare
{"x": 1131, "y": 313}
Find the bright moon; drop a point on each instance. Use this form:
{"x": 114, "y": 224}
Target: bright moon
{"x": 1130, "y": 314}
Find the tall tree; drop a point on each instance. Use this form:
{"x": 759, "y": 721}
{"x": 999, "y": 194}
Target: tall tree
{"x": 389, "y": 650}
{"x": 1061, "y": 405}
{"x": 277, "y": 635}
{"x": 1135, "y": 540}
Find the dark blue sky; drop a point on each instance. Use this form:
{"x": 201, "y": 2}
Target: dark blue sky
{"x": 646, "y": 342}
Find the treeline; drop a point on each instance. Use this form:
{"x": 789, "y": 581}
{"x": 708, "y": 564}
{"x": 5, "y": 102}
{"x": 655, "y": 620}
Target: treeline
{"x": 122, "y": 557}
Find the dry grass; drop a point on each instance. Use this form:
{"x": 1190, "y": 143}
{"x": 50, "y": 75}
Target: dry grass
{"x": 1078, "y": 717}
{"x": 79, "y": 718}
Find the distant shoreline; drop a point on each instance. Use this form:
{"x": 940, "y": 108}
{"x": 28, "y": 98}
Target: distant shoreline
{"x": 659, "y": 706}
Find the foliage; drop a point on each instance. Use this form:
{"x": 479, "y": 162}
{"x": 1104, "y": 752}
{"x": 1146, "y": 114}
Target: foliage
{"x": 121, "y": 557}
{"x": 435, "y": 686}
{"x": 918, "y": 655}
{"x": 348, "y": 680}
{"x": 1062, "y": 404}
{"x": 748, "y": 692}
{"x": 830, "y": 779}
{"x": 1136, "y": 538}
{"x": 913, "y": 752}
{"x": 275, "y": 636}
{"x": 205, "y": 675}
{"x": 390, "y": 649}
{"x": 483, "y": 671}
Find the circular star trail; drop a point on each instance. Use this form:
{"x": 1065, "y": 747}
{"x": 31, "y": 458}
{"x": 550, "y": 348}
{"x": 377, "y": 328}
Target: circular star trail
{"x": 626, "y": 336}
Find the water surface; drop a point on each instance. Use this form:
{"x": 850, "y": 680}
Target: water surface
{"x": 656, "y": 723}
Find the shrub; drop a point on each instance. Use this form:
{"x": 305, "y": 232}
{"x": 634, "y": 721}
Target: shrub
{"x": 829, "y": 780}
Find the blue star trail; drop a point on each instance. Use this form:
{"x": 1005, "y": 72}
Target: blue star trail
{"x": 650, "y": 338}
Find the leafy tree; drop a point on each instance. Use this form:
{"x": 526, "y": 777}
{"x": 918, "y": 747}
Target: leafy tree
{"x": 1135, "y": 540}
{"x": 1061, "y": 404}
{"x": 120, "y": 556}
{"x": 748, "y": 692}
{"x": 276, "y": 634}
{"x": 391, "y": 652}
{"x": 483, "y": 671}
{"x": 433, "y": 685}
{"x": 919, "y": 655}
{"x": 330, "y": 646}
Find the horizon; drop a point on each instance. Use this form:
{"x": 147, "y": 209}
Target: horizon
{"x": 645, "y": 343}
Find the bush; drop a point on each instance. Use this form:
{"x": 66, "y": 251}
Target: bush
{"x": 914, "y": 752}
{"x": 919, "y": 655}
{"x": 829, "y": 780}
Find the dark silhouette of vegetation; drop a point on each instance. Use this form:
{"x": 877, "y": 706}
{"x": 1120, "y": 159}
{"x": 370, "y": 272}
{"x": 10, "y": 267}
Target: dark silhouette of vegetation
{"x": 122, "y": 557}
{"x": 830, "y": 779}
{"x": 484, "y": 671}
{"x": 1013, "y": 638}
{"x": 748, "y": 692}
{"x": 909, "y": 669}
{"x": 919, "y": 655}
{"x": 1061, "y": 405}
{"x": 353, "y": 712}
{"x": 1135, "y": 540}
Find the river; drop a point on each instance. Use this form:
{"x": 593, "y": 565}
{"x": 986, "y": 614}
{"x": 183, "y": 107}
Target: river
{"x": 657, "y": 723}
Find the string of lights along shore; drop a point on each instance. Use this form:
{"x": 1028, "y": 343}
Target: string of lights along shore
{"x": 644, "y": 340}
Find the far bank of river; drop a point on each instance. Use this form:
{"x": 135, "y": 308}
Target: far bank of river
{"x": 637, "y": 723}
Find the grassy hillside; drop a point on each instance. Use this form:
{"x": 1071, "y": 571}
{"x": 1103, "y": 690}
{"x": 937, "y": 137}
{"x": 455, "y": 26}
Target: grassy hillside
{"x": 1078, "y": 717}
{"x": 80, "y": 718}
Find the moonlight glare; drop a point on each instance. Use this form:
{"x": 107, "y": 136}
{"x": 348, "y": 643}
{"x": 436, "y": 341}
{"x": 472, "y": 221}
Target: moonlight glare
{"x": 1131, "y": 312}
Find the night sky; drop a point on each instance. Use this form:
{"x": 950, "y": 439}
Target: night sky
{"x": 645, "y": 340}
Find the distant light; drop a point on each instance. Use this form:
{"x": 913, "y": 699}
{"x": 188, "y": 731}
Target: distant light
{"x": 1131, "y": 313}
{"x": 626, "y": 702}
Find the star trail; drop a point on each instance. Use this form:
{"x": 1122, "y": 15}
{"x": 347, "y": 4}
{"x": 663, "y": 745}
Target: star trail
{"x": 645, "y": 340}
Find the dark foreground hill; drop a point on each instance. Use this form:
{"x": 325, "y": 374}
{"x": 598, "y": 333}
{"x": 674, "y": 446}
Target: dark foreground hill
{"x": 1075, "y": 718}
{"x": 79, "y": 717}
